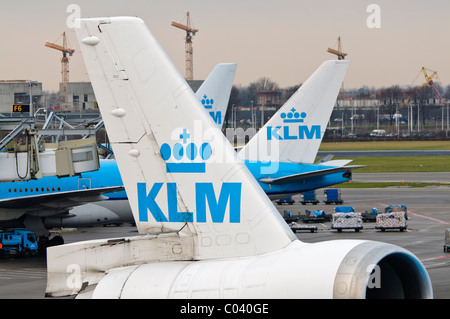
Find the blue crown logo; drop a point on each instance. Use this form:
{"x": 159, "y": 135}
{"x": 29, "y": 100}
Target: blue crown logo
{"x": 184, "y": 150}
{"x": 207, "y": 103}
{"x": 293, "y": 116}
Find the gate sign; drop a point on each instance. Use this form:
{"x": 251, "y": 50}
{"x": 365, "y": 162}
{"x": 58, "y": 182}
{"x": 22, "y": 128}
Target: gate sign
{"x": 21, "y": 108}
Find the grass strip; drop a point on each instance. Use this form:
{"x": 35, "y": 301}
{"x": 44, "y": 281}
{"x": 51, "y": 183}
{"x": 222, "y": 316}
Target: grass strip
{"x": 387, "y": 184}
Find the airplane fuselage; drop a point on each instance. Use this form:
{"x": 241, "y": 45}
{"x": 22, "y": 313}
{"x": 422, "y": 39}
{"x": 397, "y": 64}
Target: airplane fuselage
{"x": 281, "y": 190}
{"x": 116, "y": 208}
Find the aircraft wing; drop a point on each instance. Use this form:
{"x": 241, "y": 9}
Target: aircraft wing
{"x": 59, "y": 199}
{"x": 299, "y": 176}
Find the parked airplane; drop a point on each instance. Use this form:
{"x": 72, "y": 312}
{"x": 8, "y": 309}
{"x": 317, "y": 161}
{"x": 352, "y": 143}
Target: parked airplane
{"x": 69, "y": 201}
{"x": 281, "y": 156}
{"x": 214, "y": 93}
{"x": 282, "y": 165}
{"x": 287, "y": 169}
{"x": 211, "y": 230}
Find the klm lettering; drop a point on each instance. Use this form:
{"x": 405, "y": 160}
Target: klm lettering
{"x": 216, "y": 116}
{"x": 229, "y": 196}
{"x": 293, "y": 133}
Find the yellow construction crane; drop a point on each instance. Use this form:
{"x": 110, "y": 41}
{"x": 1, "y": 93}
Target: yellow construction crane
{"x": 190, "y": 32}
{"x": 341, "y": 55}
{"x": 428, "y": 82}
{"x": 64, "y": 60}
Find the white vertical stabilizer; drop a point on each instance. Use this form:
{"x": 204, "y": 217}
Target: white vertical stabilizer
{"x": 179, "y": 171}
{"x": 214, "y": 93}
{"x": 295, "y": 132}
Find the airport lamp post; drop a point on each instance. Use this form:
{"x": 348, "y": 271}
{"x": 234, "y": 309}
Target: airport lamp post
{"x": 31, "y": 97}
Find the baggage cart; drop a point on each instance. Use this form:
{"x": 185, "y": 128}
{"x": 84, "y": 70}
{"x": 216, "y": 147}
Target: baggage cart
{"x": 348, "y": 220}
{"x": 393, "y": 220}
{"x": 296, "y": 227}
{"x": 397, "y": 208}
{"x": 286, "y": 200}
{"x": 333, "y": 196}
{"x": 370, "y": 216}
{"x": 309, "y": 198}
{"x": 447, "y": 241}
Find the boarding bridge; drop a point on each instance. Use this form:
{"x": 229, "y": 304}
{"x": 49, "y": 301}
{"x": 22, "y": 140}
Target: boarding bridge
{"x": 31, "y": 159}
{"x": 66, "y": 158}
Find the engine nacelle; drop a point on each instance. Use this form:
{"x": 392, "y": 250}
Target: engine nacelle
{"x": 333, "y": 269}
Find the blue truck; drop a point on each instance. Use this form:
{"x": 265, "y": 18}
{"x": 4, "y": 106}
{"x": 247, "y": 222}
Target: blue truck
{"x": 18, "y": 241}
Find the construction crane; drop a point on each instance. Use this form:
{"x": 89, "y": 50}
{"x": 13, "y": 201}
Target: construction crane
{"x": 341, "y": 55}
{"x": 429, "y": 81}
{"x": 190, "y": 32}
{"x": 64, "y": 60}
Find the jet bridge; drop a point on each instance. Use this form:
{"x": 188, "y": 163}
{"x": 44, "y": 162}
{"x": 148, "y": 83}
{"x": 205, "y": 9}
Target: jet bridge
{"x": 29, "y": 158}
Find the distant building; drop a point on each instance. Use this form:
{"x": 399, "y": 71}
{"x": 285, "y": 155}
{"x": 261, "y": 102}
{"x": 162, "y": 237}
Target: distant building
{"x": 268, "y": 98}
{"x": 268, "y": 102}
{"x": 77, "y": 96}
{"x": 17, "y": 93}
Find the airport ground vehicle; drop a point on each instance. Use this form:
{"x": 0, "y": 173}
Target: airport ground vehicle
{"x": 333, "y": 196}
{"x": 378, "y": 133}
{"x": 309, "y": 198}
{"x": 370, "y": 216}
{"x": 318, "y": 216}
{"x": 296, "y": 227}
{"x": 447, "y": 241}
{"x": 345, "y": 218}
{"x": 286, "y": 200}
{"x": 392, "y": 220}
{"x": 397, "y": 208}
{"x": 18, "y": 241}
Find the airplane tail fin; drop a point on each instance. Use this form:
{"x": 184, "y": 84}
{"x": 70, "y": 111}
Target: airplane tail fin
{"x": 214, "y": 93}
{"x": 179, "y": 171}
{"x": 295, "y": 132}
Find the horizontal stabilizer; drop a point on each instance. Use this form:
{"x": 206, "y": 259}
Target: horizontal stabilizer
{"x": 300, "y": 176}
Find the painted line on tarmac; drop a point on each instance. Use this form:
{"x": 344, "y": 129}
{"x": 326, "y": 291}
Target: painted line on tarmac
{"x": 435, "y": 258}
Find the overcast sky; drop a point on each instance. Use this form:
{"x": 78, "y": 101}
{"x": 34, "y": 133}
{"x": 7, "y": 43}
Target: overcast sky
{"x": 285, "y": 40}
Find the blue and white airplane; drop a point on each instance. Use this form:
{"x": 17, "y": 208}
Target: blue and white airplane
{"x": 281, "y": 156}
{"x": 282, "y": 162}
{"x": 206, "y": 228}
{"x": 69, "y": 201}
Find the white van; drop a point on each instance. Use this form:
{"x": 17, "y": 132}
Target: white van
{"x": 378, "y": 133}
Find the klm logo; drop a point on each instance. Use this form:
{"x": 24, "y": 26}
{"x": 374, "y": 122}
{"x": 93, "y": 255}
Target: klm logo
{"x": 183, "y": 154}
{"x": 293, "y": 132}
{"x": 208, "y": 104}
{"x": 205, "y": 199}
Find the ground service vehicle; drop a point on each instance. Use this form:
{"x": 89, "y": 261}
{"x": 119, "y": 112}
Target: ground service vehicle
{"x": 397, "y": 208}
{"x": 18, "y": 241}
{"x": 286, "y": 200}
{"x": 447, "y": 241}
{"x": 333, "y": 196}
{"x": 347, "y": 220}
{"x": 309, "y": 198}
{"x": 392, "y": 220}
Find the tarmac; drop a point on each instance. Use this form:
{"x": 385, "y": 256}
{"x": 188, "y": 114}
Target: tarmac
{"x": 428, "y": 211}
